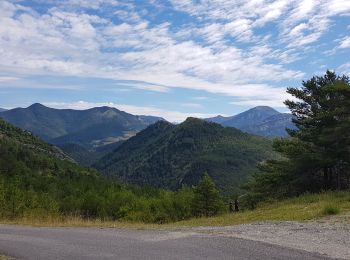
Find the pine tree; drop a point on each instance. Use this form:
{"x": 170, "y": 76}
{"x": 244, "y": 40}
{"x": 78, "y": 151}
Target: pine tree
{"x": 317, "y": 154}
{"x": 207, "y": 201}
{"x": 322, "y": 118}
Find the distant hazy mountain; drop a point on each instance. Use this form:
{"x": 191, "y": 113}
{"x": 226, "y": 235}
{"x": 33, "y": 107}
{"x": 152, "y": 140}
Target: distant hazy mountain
{"x": 91, "y": 128}
{"x": 169, "y": 156}
{"x": 261, "y": 120}
{"x": 2, "y": 109}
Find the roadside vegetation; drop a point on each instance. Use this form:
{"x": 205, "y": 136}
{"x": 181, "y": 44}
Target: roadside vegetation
{"x": 303, "y": 208}
{"x": 4, "y": 257}
{"x": 307, "y": 207}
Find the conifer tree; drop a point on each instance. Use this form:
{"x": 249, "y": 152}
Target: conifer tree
{"x": 207, "y": 201}
{"x": 317, "y": 154}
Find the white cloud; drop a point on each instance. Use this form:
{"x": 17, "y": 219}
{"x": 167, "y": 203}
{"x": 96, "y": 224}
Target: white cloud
{"x": 7, "y": 79}
{"x": 67, "y": 43}
{"x": 147, "y": 86}
{"x": 192, "y": 105}
{"x": 200, "y": 98}
{"x": 171, "y": 116}
{"x": 345, "y": 43}
{"x": 313, "y": 15}
{"x": 344, "y": 68}
{"x": 67, "y": 40}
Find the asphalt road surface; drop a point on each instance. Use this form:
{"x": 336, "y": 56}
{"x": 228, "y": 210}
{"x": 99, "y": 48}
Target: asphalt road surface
{"x": 23, "y": 242}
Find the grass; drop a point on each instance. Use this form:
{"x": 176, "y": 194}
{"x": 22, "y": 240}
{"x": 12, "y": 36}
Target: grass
{"x": 3, "y": 257}
{"x": 303, "y": 208}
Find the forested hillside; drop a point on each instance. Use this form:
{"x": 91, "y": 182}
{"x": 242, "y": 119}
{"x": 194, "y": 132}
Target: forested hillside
{"x": 170, "y": 156}
{"x": 38, "y": 181}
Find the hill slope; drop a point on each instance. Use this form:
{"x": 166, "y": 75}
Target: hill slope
{"x": 261, "y": 120}
{"x": 16, "y": 139}
{"x": 35, "y": 175}
{"x": 38, "y": 182}
{"x": 91, "y": 128}
{"x": 2, "y": 109}
{"x": 166, "y": 155}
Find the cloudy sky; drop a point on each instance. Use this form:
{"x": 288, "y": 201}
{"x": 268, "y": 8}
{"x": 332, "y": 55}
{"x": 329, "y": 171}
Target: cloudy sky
{"x": 171, "y": 58}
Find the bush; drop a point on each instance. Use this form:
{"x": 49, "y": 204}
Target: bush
{"x": 330, "y": 210}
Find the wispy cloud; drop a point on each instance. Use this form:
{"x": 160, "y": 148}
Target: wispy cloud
{"x": 344, "y": 68}
{"x": 200, "y": 98}
{"x": 71, "y": 43}
{"x": 345, "y": 43}
{"x": 192, "y": 105}
{"x": 7, "y": 79}
{"x": 240, "y": 49}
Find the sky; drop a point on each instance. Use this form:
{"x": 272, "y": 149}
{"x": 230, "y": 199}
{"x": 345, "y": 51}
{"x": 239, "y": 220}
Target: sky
{"x": 169, "y": 58}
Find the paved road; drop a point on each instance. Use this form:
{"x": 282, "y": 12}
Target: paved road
{"x": 94, "y": 243}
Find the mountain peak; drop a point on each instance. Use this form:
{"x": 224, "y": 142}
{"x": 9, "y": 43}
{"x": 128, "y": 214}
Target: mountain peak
{"x": 161, "y": 124}
{"x": 37, "y": 105}
{"x": 264, "y": 108}
{"x": 177, "y": 155}
{"x": 104, "y": 108}
{"x": 192, "y": 120}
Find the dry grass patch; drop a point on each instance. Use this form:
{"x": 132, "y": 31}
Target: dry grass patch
{"x": 303, "y": 208}
{"x": 4, "y": 257}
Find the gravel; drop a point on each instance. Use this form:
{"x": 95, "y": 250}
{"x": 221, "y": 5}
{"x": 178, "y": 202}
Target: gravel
{"x": 329, "y": 239}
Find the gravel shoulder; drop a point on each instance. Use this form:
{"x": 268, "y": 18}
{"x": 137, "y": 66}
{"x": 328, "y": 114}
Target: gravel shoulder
{"x": 331, "y": 238}
{"x": 33, "y": 243}
{"x": 327, "y": 238}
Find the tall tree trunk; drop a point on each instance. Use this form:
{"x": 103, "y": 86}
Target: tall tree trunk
{"x": 330, "y": 178}
{"x": 325, "y": 178}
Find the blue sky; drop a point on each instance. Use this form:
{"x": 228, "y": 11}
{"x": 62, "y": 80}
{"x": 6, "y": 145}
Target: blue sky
{"x": 170, "y": 58}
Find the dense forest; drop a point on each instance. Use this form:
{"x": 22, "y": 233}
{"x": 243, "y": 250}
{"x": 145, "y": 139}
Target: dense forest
{"x": 38, "y": 180}
{"x": 169, "y": 156}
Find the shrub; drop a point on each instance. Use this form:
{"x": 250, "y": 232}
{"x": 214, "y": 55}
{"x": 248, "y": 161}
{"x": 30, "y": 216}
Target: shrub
{"x": 330, "y": 210}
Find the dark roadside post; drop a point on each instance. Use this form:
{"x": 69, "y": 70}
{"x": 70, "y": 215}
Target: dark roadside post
{"x": 236, "y": 205}
{"x": 231, "y": 207}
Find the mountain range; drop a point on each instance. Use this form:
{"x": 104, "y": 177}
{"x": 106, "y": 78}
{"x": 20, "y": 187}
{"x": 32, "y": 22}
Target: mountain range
{"x": 170, "y": 156}
{"x": 261, "y": 120}
{"x": 88, "y": 135}
{"x": 147, "y": 150}
{"x": 95, "y": 129}
{"x": 2, "y": 109}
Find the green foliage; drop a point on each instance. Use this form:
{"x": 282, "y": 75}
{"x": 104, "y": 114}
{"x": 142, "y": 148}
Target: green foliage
{"x": 81, "y": 154}
{"x": 316, "y": 156}
{"x": 207, "y": 201}
{"x": 170, "y": 156}
{"x": 36, "y": 180}
{"x": 330, "y": 210}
